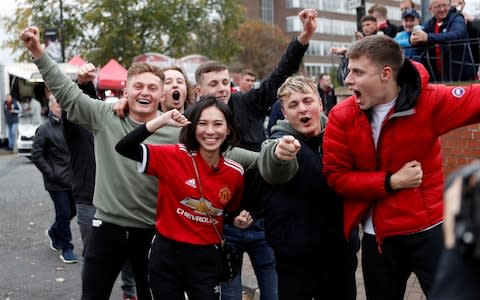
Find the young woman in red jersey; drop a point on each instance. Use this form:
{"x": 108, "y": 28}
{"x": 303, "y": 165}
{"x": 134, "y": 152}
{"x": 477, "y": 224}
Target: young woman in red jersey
{"x": 196, "y": 187}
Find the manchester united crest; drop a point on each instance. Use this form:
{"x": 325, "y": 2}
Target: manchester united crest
{"x": 225, "y": 195}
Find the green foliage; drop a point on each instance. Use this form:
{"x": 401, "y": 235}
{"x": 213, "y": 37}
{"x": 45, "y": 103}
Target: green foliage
{"x": 45, "y": 15}
{"x": 262, "y": 46}
{"x": 122, "y": 29}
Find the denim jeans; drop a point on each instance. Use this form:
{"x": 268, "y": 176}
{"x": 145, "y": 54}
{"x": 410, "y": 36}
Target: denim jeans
{"x": 85, "y": 214}
{"x": 12, "y": 135}
{"x": 252, "y": 240}
{"x": 64, "y": 212}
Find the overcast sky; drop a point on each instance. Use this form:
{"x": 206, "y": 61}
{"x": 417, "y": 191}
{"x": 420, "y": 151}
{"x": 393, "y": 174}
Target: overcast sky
{"x": 8, "y": 8}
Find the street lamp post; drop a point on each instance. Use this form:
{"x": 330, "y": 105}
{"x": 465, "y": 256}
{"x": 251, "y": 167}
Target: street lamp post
{"x": 62, "y": 43}
{"x": 360, "y": 14}
{"x": 359, "y": 5}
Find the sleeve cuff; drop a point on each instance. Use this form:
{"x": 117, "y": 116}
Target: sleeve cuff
{"x": 388, "y": 185}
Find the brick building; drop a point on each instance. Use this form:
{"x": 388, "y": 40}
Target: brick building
{"x": 335, "y": 27}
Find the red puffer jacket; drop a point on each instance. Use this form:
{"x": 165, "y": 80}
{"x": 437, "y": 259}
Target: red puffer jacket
{"x": 411, "y": 131}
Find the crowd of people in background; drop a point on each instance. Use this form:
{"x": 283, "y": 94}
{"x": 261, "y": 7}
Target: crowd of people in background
{"x": 301, "y": 196}
{"x": 446, "y": 44}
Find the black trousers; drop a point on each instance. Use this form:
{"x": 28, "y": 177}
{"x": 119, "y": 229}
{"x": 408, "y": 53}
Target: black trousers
{"x": 105, "y": 254}
{"x": 177, "y": 267}
{"x": 318, "y": 276}
{"x": 385, "y": 274}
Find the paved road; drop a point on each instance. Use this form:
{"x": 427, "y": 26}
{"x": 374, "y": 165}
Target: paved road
{"x": 29, "y": 270}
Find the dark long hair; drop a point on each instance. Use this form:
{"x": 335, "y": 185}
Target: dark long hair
{"x": 187, "y": 134}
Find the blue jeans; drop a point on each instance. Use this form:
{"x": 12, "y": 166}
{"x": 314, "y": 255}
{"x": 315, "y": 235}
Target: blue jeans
{"x": 252, "y": 240}
{"x": 85, "y": 214}
{"x": 64, "y": 212}
{"x": 12, "y": 135}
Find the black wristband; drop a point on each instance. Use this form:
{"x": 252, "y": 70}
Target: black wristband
{"x": 388, "y": 184}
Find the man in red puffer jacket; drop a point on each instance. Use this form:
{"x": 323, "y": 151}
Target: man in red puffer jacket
{"x": 382, "y": 154}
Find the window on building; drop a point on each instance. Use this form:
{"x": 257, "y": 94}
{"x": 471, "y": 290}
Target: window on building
{"x": 325, "y": 26}
{"x": 324, "y": 5}
{"x": 267, "y": 11}
{"x": 322, "y": 48}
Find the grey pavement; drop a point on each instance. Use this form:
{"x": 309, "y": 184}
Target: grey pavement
{"x": 30, "y": 270}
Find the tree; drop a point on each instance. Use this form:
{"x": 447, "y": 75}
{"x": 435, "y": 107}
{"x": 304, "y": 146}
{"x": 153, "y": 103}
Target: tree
{"x": 45, "y": 15}
{"x": 262, "y": 46}
{"x": 123, "y": 29}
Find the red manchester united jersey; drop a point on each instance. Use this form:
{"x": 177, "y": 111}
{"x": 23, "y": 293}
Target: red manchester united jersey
{"x": 181, "y": 214}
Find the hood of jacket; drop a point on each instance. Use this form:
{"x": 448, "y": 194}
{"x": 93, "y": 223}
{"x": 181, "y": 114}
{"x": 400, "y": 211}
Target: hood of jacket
{"x": 410, "y": 86}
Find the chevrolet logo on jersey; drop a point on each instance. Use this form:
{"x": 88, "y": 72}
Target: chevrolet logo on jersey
{"x": 202, "y": 206}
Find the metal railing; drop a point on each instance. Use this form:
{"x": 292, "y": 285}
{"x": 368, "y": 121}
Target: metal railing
{"x": 458, "y": 61}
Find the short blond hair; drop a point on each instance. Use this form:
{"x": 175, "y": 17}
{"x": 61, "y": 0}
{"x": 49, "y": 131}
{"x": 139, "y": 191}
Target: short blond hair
{"x": 296, "y": 84}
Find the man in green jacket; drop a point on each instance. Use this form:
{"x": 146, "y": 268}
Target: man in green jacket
{"x": 125, "y": 200}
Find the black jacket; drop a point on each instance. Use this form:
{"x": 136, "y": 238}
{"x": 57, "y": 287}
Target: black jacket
{"x": 389, "y": 29}
{"x": 328, "y": 98}
{"x": 251, "y": 108}
{"x": 80, "y": 145}
{"x": 304, "y": 217}
{"x": 50, "y": 155}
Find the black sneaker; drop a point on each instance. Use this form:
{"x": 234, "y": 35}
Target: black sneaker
{"x": 51, "y": 240}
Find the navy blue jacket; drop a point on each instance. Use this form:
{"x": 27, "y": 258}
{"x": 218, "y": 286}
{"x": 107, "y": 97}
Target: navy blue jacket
{"x": 456, "y": 58}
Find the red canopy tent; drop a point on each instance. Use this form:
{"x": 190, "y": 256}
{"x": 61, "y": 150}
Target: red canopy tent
{"x": 112, "y": 76}
{"x": 77, "y": 61}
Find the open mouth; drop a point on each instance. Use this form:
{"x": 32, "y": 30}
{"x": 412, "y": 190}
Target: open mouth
{"x": 357, "y": 93}
{"x": 305, "y": 119}
{"x": 143, "y": 101}
{"x": 176, "y": 95}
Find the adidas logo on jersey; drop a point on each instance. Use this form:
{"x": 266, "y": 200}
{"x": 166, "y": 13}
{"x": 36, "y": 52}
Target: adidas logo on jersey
{"x": 191, "y": 182}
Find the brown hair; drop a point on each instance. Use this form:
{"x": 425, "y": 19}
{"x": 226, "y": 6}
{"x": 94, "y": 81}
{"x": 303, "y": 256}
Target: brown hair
{"x": 409, "y": 1}
{"x": 209, "y": 66}
{"x": 143, "y": 67}
{"x": 382, "y": 10}
{"x": 248, "y": 72}
{"x": 190, "y": 98}
{"x": 368, "y": 18}
{"x": 381, "y": 50}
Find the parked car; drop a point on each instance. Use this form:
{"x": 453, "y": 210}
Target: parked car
{"x": 26, "y": 132}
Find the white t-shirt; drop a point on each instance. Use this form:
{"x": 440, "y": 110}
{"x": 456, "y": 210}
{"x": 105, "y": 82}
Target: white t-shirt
{"x": 379, "y": 112}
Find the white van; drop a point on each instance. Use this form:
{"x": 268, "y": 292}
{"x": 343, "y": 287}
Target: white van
{"x": 23, "y": 81}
